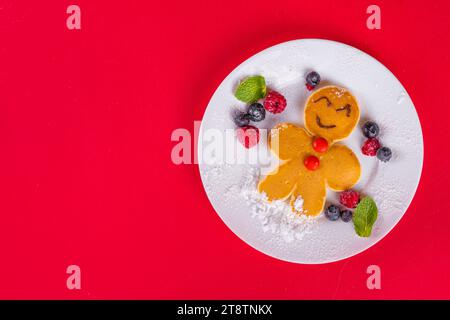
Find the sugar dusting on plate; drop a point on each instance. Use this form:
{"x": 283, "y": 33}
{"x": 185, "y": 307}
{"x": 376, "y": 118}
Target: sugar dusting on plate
{"x": 276, "y": 216}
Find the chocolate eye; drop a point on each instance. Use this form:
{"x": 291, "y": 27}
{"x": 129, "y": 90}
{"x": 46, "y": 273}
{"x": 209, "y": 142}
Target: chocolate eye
{"x": 347, "y": 107}
{"x": 324, "y": 98}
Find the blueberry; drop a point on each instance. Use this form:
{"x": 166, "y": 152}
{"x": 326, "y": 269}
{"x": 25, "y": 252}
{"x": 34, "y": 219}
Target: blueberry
{"x": 384, "y": 154}
{"x": 256, "y": 112}
{"x": 346, "y": 215}
{"x": 332, "y": 212}
{"x": 241, "y": 119}
{"x": 313, "y": 78}
{"x": 370, "y": 129}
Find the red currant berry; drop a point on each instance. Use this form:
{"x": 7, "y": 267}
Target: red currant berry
{"x": 312, "y": 163}
{"x": 309, "y": 87}
{"x": 320, "y": 145}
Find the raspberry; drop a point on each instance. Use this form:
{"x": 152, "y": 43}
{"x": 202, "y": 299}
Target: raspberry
{"x": 370, "y": 147}
{"x": 248, "y": 136}
{"x": 274, "y": 102}
{"x": 349, "y": 198}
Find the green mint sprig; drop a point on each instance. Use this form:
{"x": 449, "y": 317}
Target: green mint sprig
{"x": 251, "y": 89}
{"x": 364, "y": 217}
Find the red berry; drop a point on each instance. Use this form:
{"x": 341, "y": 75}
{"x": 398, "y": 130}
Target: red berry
{"x": 248, "y": 136}
{"x": 275, "y": 102}
{"x": 312, "y": 163}
{"x": 370, "y": 147}
{"x": 349, "y": 198}
{"x": 320, "y": 145}
{"x": 309, "y": 87}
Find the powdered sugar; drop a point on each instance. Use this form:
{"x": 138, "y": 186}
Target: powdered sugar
{"x": 276, "y": 216}
{"x": 298, "y": 205}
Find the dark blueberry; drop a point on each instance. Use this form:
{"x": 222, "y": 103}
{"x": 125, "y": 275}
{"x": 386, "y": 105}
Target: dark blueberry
{"x": 332, "y": 212}
{"x": 241, "y": 119}
{"x": 384, "y": 154}
{"x": 256, "y": 112}
{"x": 346, "y": 215}
{"x": 313, "y": 79}
{"x": 370, "y": 129}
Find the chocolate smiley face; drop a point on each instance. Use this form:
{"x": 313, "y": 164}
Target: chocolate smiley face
{"x": 332, "y": 113}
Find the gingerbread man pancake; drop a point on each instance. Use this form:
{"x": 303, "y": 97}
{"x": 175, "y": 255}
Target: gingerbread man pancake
{"x": 330, "y": 113}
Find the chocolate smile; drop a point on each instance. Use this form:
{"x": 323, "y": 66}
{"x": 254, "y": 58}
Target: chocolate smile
{"x": 320, "y": 124}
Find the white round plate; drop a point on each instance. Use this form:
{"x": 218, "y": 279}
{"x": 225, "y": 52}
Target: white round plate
{"x": 230, "y": 183}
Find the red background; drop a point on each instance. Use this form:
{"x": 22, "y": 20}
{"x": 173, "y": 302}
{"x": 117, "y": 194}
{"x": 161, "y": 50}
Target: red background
{"x": 85, "y": 171}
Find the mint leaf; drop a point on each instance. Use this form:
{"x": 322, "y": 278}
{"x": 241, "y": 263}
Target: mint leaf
{"x": 251, "y": 89}
{"x": 364, "y": 217}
